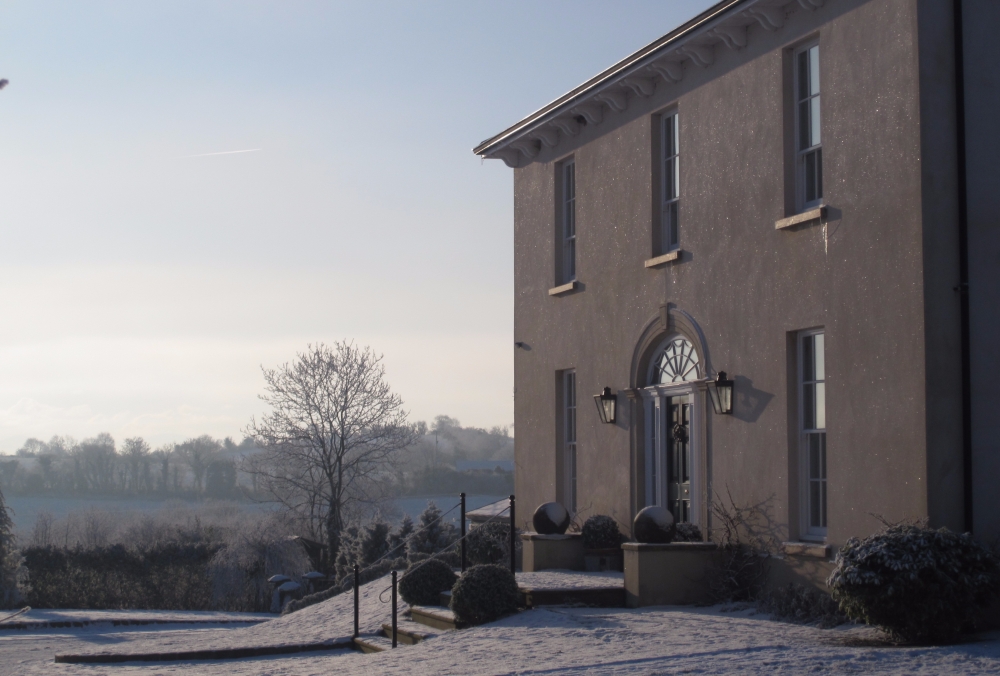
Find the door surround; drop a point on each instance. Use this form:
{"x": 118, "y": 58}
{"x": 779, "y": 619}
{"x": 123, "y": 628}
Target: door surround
{"x": 667, "y": 324}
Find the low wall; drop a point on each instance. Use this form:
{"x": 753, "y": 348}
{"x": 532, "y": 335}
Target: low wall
{"x": 672, "y": 574}
{"x": 802, "y": 564}
{"x": 548, "y": 552}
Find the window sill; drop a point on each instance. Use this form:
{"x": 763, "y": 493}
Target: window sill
{"x": 564, "y": 288}
{"x": 662, "y": 260}
{"x": 798, "y": 219}
{"x": 812, "y": 550}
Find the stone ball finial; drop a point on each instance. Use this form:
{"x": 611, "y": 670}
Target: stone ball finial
{"x": 654, "y": 525}
{"x": 550, "y": 518}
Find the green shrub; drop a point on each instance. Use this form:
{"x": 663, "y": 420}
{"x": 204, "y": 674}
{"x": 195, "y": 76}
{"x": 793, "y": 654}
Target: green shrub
{"x": 796, "y": 603}
{"x": 483, "y": 594}
{"x": 489, "y": 543}
{"x": 452, "y": 558}
{"x": 687, "y": 532}
{"x": 917, "y": 584}
{"x": 601, "y": 532}
{"x": 423, "y": 582}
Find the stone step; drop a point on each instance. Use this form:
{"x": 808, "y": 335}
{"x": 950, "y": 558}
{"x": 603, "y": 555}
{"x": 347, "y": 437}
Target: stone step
{"x": 602, "y": 597}
{"x": 407, "y": 632}
{"x": 435, "y": 616}
{"x": 373, "y": 644}
{"x": 445, "y": 599}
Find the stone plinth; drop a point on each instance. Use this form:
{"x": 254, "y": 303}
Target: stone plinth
{"x": 547, "y": 552}
{"x": 670, "y": 574}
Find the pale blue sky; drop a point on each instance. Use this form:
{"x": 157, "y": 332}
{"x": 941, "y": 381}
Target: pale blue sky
{"x": 142, "y": 288}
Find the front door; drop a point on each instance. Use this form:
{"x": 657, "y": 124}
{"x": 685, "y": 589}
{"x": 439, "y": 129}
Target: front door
{"x": 679, "y": 458}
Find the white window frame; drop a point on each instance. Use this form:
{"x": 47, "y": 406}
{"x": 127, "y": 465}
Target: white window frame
{"x": 670, "y": 182}
{"x": 567, "y": 173}
{"x": 569, "y": 422}
{"x": 811, "y": 126}
{"x": 807, "y": 529}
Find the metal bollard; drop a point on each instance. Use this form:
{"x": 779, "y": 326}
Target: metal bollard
{"x": 513, "y": 549}
{"x": 463, "y": 532}
{"x": 357, "y": 583}
{"x": 393, "y": 609}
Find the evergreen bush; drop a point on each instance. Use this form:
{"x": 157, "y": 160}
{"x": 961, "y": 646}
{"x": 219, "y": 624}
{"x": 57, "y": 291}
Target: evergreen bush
{"x": 12, "y": 572}
{"x": 687, "y": 532}
{"x": 423, "y": 582}
{"x": 483, "y": 594}
{"x": 917, "y": 584}
{"x": 796, "y": 603}
{"x": 432, "y": 534}
{"x": 489, "y": 543}
{"x": 601, "y": 532}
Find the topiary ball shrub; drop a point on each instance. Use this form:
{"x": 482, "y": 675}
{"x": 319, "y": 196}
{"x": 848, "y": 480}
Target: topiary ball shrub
{"x": 601, "y": 532}
{"x": 489, "y": 543}
{"x": 917, "y": 584}
{"x": 423, "y": 582}
{"x": 483, "y": 594}
{"x": 550, "y": 518}
{"x": 654, "y": 525}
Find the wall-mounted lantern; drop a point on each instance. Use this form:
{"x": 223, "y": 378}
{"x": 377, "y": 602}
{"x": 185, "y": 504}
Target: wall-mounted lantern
{"x": 721, "y": 392}
{"x": 607, "y": 405}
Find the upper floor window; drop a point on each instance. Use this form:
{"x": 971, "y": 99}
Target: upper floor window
{"x": 809, "y": 150}
{"x": 670, "y": 184}
{"x": 568, "y": 216}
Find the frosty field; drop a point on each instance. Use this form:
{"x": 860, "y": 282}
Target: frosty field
{"x": 555, "y": 640}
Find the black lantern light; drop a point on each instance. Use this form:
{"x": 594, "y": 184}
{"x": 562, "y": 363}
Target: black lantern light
{"x": 721, "y": 392}
{"x": 607, "y": 405}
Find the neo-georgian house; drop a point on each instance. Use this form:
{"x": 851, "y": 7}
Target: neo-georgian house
{"x": 802, "y": 196}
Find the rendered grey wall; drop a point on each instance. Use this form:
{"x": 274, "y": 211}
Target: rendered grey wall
{"x": 750, "y": 287}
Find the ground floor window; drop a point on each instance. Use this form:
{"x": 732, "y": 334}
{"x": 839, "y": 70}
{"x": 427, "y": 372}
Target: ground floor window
{"x": 812, "y": 421}
{"x": 569, "y": 437}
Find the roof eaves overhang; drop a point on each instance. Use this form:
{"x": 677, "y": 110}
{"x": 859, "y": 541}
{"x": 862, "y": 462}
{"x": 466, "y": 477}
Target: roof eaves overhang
{"x": 764, "y": 11}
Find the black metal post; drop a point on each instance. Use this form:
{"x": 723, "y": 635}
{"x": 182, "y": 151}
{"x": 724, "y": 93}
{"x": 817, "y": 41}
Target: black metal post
{"x": 463, "y": 532}
{"x": 393, "y": 609}
{"x": 357, "y": 583}
{"x": 513, "y": 549}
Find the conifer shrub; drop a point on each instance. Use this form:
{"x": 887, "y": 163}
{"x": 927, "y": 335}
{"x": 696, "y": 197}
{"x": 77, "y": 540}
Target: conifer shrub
{"x": 917, "y": 584}
{"x": 601, "y": 532}
{"x": 423, "y": 582}
{"x": 489, "y": 543}
{"x": 484, "y": 593}
{"x": 432, "y": 534}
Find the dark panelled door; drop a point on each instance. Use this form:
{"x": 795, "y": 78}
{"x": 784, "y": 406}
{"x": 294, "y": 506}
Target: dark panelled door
{"x": 679, "y": 459}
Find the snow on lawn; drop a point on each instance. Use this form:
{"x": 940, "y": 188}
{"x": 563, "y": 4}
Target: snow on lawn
{"x": 39, "y": 615}
{"x": 663, "y": 640}
{"x": 323, "y": 622}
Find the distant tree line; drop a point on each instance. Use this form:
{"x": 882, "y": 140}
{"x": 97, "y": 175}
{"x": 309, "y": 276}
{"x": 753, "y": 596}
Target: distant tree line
{"x": 98, "y": 466}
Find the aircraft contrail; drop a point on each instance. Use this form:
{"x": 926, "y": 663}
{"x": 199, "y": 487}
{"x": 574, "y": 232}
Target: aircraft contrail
{"x": 225, "y": 152}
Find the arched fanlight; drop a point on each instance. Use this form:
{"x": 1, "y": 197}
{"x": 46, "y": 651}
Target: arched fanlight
{"x": 607, "y": 405}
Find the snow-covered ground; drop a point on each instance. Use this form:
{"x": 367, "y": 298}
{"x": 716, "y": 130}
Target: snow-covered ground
{"x": 665, "y": 640}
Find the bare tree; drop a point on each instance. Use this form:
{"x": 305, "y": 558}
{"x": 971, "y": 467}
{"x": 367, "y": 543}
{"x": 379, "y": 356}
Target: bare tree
{"x": 97, "y": 459}
{"x": 136, "y": 451}
{"x": 199, "y": 453}
{"x": 330, "y": 438}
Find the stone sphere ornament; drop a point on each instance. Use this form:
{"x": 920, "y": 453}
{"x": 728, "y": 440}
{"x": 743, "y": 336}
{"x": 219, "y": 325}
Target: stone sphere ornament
{"x": 550, "y": 518}
{"x": 654, "y": 525}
